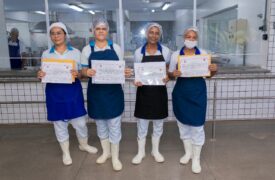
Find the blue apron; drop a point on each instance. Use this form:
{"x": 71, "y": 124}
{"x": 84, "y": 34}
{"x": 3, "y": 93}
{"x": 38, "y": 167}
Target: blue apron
{"x": 105, "y": 101}
{"x": 64, "y": 101}
{"x": 189, "y": 99}
{"x": 15, "y": 57}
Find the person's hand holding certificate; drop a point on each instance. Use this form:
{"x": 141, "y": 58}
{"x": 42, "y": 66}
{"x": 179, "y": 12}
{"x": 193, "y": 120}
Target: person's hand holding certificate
{"x": 58, "y": 71}
{"x": 108, "y": 72}
{"x": 150, "y": 73}
{"x": 194, "y": 66}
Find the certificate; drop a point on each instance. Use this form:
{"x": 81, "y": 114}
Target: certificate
{"x": 58, "y": 71}
{"x": 194, "y": 66}
{"x": 108, "y": 72}
{"x": 150, "y": 73}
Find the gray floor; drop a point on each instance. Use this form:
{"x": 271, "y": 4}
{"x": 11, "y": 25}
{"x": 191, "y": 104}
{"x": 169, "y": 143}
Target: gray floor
{"x": 241, "y": 151}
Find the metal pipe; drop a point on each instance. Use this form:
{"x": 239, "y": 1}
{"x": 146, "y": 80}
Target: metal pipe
{"x": 48, "y": 22}
{"x": 121, "y": 31}
{"x": 214, "y": 112}
{"x": 194, "y": 13}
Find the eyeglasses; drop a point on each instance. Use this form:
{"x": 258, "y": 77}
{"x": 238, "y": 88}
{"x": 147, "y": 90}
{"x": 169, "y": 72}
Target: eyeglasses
{"x": 57, "y": 33}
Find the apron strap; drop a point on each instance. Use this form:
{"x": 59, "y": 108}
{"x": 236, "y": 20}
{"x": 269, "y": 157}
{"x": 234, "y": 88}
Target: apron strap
{"x": 197, "y": 51}
{"x": 143, "y": 49}
{"x": 92, "y": 45}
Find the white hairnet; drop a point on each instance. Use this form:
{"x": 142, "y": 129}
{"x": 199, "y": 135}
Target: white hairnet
{"x": 194, "y": 29}
{"x": 154, "y": 25}
{"x": 62, "y": 26}
{"x": 100, "y": 22}
{"x": 14, "y": 30}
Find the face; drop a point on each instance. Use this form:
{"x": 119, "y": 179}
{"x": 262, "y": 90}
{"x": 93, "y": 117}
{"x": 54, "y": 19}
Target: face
{"x": 191, "y": 36}
{"x": 14, "y": 36}
{"x": 153, "y": 35}
{"x": 101, "y": 32}
{"x": 58, "y": 36}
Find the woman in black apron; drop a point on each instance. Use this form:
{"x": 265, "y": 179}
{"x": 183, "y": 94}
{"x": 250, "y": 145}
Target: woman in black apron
{"x": 151, "y": 101}
{"x": 65, "y": 102}
{"x": 189, "y": 102}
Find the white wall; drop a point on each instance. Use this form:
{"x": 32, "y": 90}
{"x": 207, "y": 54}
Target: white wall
{"x": 148, "y": 16}
{"x": 184, "y": 19}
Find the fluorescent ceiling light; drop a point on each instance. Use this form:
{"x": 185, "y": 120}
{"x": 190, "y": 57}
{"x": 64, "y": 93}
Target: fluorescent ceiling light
{"x": 40, "y": 12}
{"x": 165, "y": 6}
{"x": 153, "y": 10}
{"x": 142, "y": 32}
{"x": 91, "y": 11}
{"x": 75, "y": 7}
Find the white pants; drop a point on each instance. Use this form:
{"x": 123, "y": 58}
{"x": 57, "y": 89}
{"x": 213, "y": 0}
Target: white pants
{"x": 142, "y": 128}
{"x": 195, "y": 134}
{"x": 61, "y": 128}
{"x": 109, "y": 129}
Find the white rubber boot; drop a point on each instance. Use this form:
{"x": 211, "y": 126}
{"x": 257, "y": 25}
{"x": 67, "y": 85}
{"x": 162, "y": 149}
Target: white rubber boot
{"x": 66, "y": 157}
{"x": 141, "y": 152}
{"x": 155, "y": 150}
{"x": 84, "y": 146}
{"x": 117, "y": 166}
{"x": 106, "y": 154}
{"x": 196, "y": 166}
{"x": 188, "y": 151}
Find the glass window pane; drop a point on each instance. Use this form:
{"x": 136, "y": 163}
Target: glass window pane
{"x": 22, "y": 16}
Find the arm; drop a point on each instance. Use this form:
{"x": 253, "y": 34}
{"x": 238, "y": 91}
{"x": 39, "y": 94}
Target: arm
{"x": 213, "y": 69}
{"x": 173, "y": 73}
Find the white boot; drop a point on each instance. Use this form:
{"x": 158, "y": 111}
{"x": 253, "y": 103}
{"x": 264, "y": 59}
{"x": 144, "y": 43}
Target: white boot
{"x": 196, "y": 167}
{"x": 84, "y": 146}
{"x": 66, "y": 157}
{"x": 117, "y": 166}
{"x": 106, "y": 154}
{"x": 155, "y": 149}
{"x": 141, "y": 152}
{"x": 188, "y": 151}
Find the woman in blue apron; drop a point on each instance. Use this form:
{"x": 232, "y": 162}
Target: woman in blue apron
{"x": 15, "y": 48}
{"x": 189, "y": 102}
{"x": 105, "y": 101}
{"x": 65, "y": 102}
{"x": 151, "y": 101}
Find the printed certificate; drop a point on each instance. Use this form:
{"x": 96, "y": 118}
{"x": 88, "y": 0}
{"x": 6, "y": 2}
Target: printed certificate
{"x": 108, "y": 72}
{"x": 58, "y": 71}
{"x": 150, "y": 73}
{"x": 194, "y": 66}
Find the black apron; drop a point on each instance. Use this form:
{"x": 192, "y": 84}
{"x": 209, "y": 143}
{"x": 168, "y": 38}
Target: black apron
{"x": 151, "y": 101}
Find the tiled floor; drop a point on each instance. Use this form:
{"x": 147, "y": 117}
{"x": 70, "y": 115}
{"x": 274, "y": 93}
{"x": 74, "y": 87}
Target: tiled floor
{"x": 241, "y": 151}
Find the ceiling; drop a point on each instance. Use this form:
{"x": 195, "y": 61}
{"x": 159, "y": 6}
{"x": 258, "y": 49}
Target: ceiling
{"x": 62, "y": 5}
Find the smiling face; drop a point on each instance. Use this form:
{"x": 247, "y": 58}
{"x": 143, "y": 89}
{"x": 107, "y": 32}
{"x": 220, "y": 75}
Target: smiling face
{"x": 58, "y": 36}
{"x": 153, "y": 35}
{"x": 101, "y": 32}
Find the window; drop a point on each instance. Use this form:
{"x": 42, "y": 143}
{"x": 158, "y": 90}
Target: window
{"x": 228, "y": 29}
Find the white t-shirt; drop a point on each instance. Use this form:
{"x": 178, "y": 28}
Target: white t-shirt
{"x": 166, "y": 52}
{"x": 70, "y": 54}
{"x": 86, "y": 52}
{"x": 174, "y": 60}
